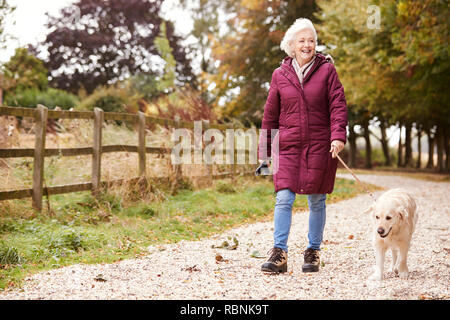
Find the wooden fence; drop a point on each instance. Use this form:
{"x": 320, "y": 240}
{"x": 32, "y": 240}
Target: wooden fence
{"x": 41, "y": 114}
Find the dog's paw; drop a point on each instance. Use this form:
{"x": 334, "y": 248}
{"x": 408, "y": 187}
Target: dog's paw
{"x": 376, "y": 276}
{"x": 404, "y": 274}
{"x": 394, "y": 270}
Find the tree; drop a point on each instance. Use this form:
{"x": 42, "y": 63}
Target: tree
{"x": 26, "y": 71}
{"x": 28, "y": 84}
{"x": 422, "y": 36}
{"x": 398, "y": 72}
{"x": 5, "y": 84}
{"x": 347, "y": 38}
{"x": 151, "y": 87}
{"x": 166, "y": 83}
{"x": 5, "y": 10}
{"x": 206, "y": 15}
{"x": 97, "y": 42}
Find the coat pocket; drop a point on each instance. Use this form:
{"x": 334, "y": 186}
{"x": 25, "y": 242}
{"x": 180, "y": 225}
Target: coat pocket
{"x": 289, "y": 140}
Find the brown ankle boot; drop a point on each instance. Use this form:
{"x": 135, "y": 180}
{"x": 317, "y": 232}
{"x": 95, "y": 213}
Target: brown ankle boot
{"x": 311, "y": 261}
{"x": 277, "y": 261}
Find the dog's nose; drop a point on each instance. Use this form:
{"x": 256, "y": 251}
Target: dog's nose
{"x": 380, "y": 230}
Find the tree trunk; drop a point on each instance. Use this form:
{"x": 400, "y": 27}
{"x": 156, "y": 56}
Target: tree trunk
{"x": 368, "y": 164}
{"x": 419, "y": 146}
{"x": 431, "y": 139}
{"x": 384, "y": 144}
{"x": 352, "y": 142}
{"x": 408, "y": 149}
{"x": 447, "y": 148}
{"x": 400, "y": 148}
{"x": 440, "y": 147}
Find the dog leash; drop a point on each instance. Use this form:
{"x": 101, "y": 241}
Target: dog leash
{"x": 356, "y": 178}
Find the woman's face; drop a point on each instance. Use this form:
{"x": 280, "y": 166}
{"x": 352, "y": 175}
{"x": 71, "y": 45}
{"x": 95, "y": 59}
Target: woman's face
{"x": 304, "y": 45}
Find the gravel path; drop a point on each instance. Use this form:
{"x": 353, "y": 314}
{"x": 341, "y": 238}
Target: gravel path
{"x": 189, "y": 269}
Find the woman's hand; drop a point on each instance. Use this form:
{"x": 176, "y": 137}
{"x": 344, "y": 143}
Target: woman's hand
{"x": 336, "y": 147}
{"x": 268, "y": 161}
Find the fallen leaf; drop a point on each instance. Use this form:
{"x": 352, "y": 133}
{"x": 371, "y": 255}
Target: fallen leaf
{"x": 100, "y": 278}
{"x": 255, "y": 254}
{"x": 424, "y": 296}
{"x": 191, "y": 269}
{"x": 330, "y": 242}
{"x": 226, "y": 245}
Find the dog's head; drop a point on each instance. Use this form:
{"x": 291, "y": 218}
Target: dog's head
{"x": 386, "y": 218}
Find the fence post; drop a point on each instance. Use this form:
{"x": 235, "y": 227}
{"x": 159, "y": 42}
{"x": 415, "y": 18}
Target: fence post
{"x": 97, "y": 150}
{"x": 39, "y": 153}
{"x": 230, "y": 147}
{"x": 209, "y": 167}
{"x": 141, "y": 146}
{"x": 177, "y": 169}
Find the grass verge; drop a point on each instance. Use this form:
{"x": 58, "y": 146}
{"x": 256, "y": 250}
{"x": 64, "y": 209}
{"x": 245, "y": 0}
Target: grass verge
{"x": 83, "y": 229}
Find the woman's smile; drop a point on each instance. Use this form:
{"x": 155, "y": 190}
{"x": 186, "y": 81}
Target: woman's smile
{"x": 304, "y": 46}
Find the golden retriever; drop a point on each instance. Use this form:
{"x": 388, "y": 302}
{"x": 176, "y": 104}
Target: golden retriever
{"x": 394, "y": 218}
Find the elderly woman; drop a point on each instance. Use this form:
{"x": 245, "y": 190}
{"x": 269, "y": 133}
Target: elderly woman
{"x": 307, "y": 106}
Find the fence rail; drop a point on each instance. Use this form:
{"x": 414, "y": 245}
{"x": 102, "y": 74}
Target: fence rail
{"x": 49, "y": 152}
{"x": 117, "y": 116}
{"x": 39, "y": 152}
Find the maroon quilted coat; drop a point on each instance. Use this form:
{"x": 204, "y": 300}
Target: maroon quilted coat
{"x": 307, "y": 119}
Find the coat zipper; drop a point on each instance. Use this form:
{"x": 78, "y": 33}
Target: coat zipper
{"x": 302, "y": 92}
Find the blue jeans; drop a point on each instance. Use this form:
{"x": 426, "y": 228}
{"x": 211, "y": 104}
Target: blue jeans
{"x": 283, "y": 217}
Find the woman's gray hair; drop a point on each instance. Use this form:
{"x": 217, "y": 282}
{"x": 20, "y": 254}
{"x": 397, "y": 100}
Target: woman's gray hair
{"x": 299, "y": 25}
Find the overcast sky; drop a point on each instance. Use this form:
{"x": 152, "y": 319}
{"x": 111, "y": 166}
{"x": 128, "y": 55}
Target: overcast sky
{"x": 30, "y": 20}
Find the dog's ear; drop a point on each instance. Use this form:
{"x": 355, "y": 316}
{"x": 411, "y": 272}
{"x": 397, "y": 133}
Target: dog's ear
{"x": 402, "y": 213}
